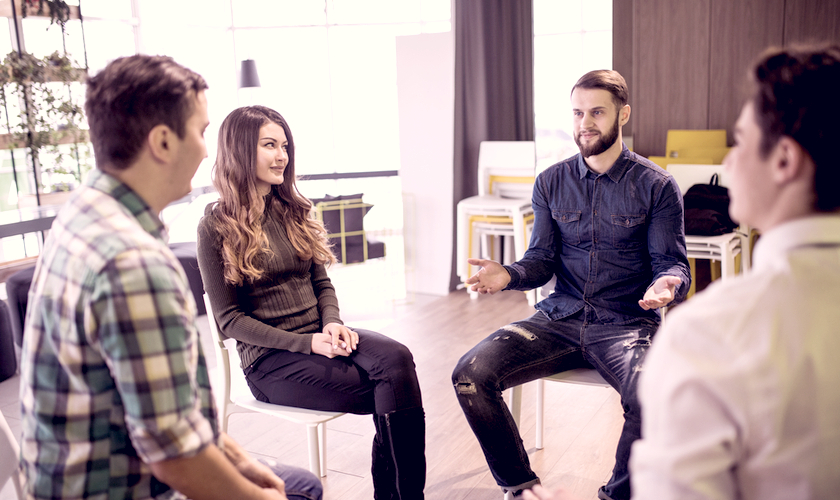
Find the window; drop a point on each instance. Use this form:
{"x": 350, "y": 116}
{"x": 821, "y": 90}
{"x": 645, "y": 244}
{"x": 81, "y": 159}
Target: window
{"x": 329, "y": 67}
{"x": 570, "y": 38}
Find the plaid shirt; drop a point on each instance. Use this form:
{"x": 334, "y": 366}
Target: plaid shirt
{"x": 113, "y": 375}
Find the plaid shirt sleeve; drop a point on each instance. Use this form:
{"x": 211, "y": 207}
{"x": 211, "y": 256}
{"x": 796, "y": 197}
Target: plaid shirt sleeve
{"x": 148, "y": 340}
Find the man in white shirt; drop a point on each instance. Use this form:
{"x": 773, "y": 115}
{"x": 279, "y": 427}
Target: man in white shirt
{"x": 740, "y": 390}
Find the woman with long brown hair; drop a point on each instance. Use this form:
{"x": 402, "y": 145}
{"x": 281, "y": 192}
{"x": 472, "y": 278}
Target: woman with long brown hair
{"x": 263, "y": 262}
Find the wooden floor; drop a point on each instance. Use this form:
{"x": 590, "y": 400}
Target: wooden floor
{"x": 582, "y": 427}
{"x": 582, "y": 424}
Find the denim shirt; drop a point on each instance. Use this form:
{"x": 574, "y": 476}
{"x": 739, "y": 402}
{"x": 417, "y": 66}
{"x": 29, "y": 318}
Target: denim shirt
{"x": 607, "y": 237}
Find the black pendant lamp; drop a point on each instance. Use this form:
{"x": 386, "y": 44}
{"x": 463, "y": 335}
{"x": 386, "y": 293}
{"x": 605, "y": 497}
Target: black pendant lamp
{"x": 248, "y": 76}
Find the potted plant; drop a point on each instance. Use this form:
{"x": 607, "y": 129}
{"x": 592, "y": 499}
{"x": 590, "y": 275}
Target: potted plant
{"x": 50, "y": 121}
{"x": 59, "y": 11}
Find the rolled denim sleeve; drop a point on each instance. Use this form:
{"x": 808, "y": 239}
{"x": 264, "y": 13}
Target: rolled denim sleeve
{"x": 666, "y": 237}
{"x": 536, "y": 266}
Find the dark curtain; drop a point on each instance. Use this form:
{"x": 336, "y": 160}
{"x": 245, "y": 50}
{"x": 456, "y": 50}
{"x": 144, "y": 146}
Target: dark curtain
{"x": 494, "y": 86}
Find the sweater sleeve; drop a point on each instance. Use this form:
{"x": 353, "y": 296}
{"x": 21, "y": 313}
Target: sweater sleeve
{"x": 233, "y": 322}
{"x": 325, "y": 291}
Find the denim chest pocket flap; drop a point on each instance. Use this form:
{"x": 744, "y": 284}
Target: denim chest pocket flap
{"x": 568, "y": 221}
{"x": 628, "y": 230}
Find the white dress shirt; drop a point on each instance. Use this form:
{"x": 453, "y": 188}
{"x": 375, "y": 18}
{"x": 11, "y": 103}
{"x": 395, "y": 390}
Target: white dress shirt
{"x": 741, "y": 389}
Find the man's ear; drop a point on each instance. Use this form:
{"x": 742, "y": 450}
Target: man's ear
{"x": 160, "y": 142}
{"x": 790, "y": 161}
{"x": 624, "y": 115}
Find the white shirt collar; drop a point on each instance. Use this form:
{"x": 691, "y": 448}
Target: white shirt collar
{"x": 818, "y": 230}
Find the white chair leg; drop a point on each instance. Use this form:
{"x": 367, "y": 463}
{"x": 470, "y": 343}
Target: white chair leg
{"x": 322, "y": 442}
{"x": 727, "y": 263}
{"x": 540, "y": 412}
{"x": 515, "y": 403}
{"x": 9, "y": 451}
{"x": 486, "y": 246}
{"x": 519, "y": 242}
{"x": 461, "y": 241}
{"x": 225, "y": 420}
{"x": 745, "y": 249}
{"x": 314, "y": 456}
{"x": 509, "y": 255}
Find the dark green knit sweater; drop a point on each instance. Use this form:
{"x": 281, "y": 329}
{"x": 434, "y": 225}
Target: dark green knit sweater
{"x": 293, "y": 299}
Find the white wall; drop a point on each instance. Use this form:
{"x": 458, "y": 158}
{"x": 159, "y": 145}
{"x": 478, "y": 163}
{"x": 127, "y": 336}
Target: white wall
{"x": 426, "y": 99}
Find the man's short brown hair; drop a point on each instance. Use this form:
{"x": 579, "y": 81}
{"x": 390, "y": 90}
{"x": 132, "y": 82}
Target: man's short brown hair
{"x": 794, "y": 95}
{"x": 606, "y": 79}
{"x": 131, "y": 96}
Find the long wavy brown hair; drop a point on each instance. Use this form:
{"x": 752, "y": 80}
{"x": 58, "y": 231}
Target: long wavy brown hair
{"x": 240, "y": 211}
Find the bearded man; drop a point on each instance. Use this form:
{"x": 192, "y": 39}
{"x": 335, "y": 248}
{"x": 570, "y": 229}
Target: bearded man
{"x": 608, "y": 224}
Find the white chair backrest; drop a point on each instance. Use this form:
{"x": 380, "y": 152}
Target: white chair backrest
{"x": 227, "y": 359}
{"x": 507, "y": 168}
{"x": 218, "y": 337}
{"x": 688, "y": 175}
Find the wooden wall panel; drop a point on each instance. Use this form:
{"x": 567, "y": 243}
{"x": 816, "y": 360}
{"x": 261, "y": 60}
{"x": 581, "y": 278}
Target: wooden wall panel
{"x": 740, "y": 31}
{"x": 671, "y": 70}
{"x": 689, "y": 59}
{"x": 812, "y": 20}
{"x": 623, "y": 49}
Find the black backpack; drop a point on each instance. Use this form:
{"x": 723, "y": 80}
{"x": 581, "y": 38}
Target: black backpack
{"x": 707, "y": 209}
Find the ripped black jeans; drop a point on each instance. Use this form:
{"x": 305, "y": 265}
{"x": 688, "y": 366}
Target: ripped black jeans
{"x": 537, "y": 347}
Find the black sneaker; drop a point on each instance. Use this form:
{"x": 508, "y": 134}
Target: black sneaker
{"x": 517, "y": 494}
{"x": 602, "y": 494}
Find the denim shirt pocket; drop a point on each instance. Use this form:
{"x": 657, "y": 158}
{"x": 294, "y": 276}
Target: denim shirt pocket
{"x": 568, "y": 222}
{"x": 629, "y": 231}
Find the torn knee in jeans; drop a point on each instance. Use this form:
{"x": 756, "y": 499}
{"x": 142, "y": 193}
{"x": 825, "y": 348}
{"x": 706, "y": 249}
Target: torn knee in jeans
{"x": 465, "y": 387}
{"x": 519, "y": 331}
{"x": 643, "y": 342}
{"x": 639, "y": 346}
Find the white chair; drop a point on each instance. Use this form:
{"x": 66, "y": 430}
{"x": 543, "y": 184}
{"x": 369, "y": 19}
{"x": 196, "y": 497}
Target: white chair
{"x": 581, "y": 376}
{"x": 724, "y": 247}
{"x": 9, "y": 456}
{"x": 236, "y": 397}
{"x": 506, "y": 171}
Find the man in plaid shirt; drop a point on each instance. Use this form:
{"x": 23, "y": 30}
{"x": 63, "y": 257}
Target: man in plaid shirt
{"x": 115, "y": 394}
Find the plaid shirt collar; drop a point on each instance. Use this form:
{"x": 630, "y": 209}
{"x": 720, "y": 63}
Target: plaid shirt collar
{"x": 127, "y": 197}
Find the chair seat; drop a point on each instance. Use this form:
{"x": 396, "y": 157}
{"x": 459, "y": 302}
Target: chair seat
{"x": 489, "y": 204}
{"x": 290, "y": 413}
{"x": 701, "y": 242}
{"x": 583, "y": 376}
{"x": 722, "y": 248}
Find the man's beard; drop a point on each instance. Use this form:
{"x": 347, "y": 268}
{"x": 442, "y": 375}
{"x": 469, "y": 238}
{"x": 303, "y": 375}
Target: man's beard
{"x": 603, "y": 143}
